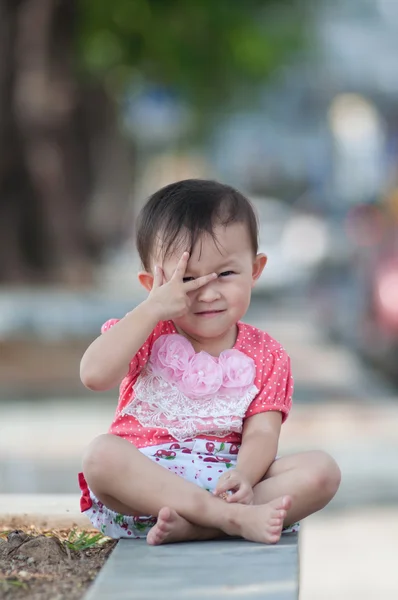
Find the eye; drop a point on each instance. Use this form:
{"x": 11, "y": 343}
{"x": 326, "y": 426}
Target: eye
{"x": 185, "y": 279}
{"x": 226, "y": 273}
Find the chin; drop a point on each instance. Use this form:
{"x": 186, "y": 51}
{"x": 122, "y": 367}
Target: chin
{"x": 209, "y": 332}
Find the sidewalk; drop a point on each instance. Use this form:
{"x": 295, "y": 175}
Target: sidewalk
{"x": 50, "y": 511}
{"x": 350, "y": 555}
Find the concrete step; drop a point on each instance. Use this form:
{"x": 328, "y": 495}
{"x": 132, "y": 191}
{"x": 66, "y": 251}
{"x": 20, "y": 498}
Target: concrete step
{"x": 200, "y": 570}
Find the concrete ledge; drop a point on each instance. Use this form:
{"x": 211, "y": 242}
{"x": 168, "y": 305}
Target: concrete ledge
{"x": 42, "y": 510}
{"x": 204, "y": 570}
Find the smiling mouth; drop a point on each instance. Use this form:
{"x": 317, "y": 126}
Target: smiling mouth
{"x": 210, "y": 312}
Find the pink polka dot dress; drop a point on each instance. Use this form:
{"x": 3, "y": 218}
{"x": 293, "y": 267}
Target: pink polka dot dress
{"x": 185, "y": 410}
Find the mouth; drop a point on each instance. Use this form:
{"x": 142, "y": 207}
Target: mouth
{"x": 209, "y": 313}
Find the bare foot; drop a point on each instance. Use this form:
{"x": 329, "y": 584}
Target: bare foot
{"x": 171, "y": 527}
{"x": 261, "y": 523}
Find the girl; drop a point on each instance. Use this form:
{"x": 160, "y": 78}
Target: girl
{"x": 202, "y": 395}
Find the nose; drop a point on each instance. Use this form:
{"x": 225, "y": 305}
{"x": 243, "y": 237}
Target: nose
{"x": 209, "y": 292}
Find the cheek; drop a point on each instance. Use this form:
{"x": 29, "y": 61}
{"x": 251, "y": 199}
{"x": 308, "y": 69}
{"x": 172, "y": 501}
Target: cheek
{"x": 239, "y": 290}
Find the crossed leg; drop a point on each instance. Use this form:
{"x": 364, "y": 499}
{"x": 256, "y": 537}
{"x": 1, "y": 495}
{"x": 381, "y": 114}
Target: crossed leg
{"x": 187, "y": 512}
{"x": 310, "y": 479}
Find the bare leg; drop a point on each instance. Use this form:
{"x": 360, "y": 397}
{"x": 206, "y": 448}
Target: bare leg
{"x": 171, "y": 527}
{"x": 310, "y": 478}
{"x": 122, "y": 477}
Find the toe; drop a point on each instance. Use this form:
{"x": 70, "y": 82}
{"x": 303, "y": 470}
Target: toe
{"x": 286, "y": 502}
{"x": 274, "y": 538}
{"x": 278, "y": 503}
{"x": 150, "y": 538}
{"x": 165, "y": 514}
{"x": 158, "y": 537}
{"x": 163, "y": 526}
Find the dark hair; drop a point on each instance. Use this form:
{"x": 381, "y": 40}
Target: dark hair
{"x": 193, "y": 205}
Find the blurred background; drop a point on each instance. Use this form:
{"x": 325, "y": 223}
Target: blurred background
{"x": 295, "y": 103}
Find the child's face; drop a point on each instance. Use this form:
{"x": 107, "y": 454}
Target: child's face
{"x": 217, "y": 306}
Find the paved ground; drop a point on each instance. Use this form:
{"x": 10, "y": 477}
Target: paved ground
{"x": 212, "y": 570}
{"x": 41, "y": 510}
{"x": 350, "y": 555}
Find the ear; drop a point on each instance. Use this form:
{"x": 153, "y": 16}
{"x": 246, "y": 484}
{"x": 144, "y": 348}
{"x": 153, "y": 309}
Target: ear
{"x": 258, "y": 265}
{"x": 146, "y": 280}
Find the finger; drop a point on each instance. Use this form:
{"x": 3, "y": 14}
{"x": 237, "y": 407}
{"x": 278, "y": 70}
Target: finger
{"x": 199, "y": 282}
{"x": 237, "y": 496}
{"x": 158, "y": 277}
{"x": 218, "y": 490}
{"x": 225, "y": 485}
{"x": 222, "y": 487}
{"x": 181, "y": 266}
{"x": 233, "y": 498}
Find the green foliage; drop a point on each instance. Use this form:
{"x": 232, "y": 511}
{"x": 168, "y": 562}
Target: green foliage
{"x": 201, "y": 48}
{"x": 5, "y": 533}
{"x": 84, "y": 540}
{"x": 10, "y": 582}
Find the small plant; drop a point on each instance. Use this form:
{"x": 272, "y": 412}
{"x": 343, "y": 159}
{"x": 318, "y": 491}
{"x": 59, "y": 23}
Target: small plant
{"x": 5, "y": 533}
{"x": 83, "y": 540}
{"x": 7, "y": 583}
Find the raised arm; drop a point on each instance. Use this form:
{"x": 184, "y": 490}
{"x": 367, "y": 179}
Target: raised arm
{"x": 106, "y": 361}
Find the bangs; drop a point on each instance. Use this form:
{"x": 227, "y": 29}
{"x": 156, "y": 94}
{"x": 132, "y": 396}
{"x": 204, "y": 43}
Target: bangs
{"x": 175, "y": 218}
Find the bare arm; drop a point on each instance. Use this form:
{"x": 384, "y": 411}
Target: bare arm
{"x": 106, "y": 361}
{"x": 259, "y": 445}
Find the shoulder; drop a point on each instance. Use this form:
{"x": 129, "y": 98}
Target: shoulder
{"x": 162, "y": 328}
{"x": 143, "y": 355}
{"x": 273, "y": 372}
{"x": 258, "y": 343}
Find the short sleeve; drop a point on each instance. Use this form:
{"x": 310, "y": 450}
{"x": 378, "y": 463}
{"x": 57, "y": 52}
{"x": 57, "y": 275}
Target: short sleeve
{"x": 140, "y": 359}
{"x": 108, "y": 324}
{"x": 275, "y": 381}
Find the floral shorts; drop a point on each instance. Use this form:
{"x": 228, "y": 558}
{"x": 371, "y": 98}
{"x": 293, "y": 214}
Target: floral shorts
{"x": 199, "y": 461}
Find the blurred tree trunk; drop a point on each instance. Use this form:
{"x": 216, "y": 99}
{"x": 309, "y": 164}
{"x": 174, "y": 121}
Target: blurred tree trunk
{"x": 14, "y": 193}
{"x": 48, "y": 156}
{"x": 46, "y": 101}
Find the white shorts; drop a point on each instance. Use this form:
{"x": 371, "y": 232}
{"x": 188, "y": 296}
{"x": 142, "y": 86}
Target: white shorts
{"x": 200, "y": 461}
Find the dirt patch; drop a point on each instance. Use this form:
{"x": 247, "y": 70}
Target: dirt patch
{"x": 45, "y": 565}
